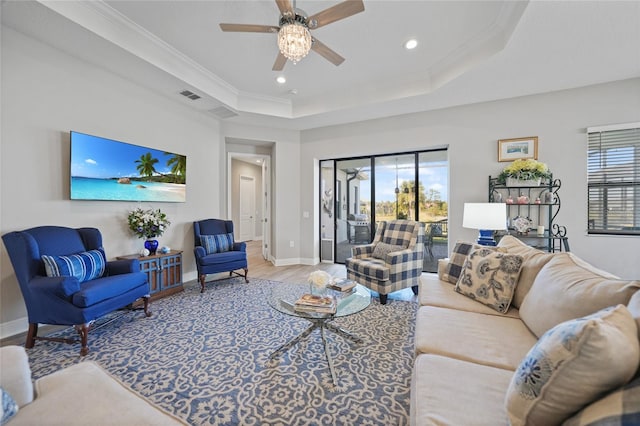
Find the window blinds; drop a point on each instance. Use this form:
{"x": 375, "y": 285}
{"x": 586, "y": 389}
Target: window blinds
{"x": 613, "y": 181}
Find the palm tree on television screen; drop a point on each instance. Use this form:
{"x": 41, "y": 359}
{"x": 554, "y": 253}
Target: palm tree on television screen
{"x": 178, "y": 164}
{"x": 146, "y": 165}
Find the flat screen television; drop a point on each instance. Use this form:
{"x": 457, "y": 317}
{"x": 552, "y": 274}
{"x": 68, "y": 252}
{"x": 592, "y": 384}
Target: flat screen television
{"x": 105, "y": 169}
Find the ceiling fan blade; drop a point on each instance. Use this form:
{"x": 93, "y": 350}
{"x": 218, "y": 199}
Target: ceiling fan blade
{"x": 325, "y": 52}
{"x": 284, "y": 6}
{"x": 281, "y": 60}
{"x": 249, "y": 28}
{"x": 335, "y": 13}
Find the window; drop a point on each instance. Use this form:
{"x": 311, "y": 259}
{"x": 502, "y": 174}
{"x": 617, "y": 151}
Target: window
{"x": 613, "y": 180}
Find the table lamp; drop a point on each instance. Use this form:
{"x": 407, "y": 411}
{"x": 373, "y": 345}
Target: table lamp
{"x": 487, "y": 218}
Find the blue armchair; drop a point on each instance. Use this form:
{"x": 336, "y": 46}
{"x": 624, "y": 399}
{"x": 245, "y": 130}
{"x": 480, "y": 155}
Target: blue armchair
{"x": 65, "y": 279}
{"x": 216, "y": 251}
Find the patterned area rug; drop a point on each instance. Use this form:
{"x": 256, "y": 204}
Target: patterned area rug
{"x": 205, "y": 358}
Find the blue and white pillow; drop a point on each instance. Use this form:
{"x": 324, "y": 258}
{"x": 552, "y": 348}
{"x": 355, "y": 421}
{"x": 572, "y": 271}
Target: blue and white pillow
{"x": 9, "y": 407}
{"x": 572, "y": 365}
{"x": 84, "y": 266}
{"x": 216, "y": 243}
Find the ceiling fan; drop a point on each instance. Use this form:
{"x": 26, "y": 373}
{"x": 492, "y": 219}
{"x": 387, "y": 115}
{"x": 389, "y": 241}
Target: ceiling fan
{"x": 294, "y": 37}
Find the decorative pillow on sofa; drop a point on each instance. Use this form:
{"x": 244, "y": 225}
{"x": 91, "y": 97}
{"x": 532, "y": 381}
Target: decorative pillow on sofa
{"x": 621, "y": 407}
{"x": 459, "y": 254}
{"x": 490, "y": 277}
{"x": 533, "y": 261}
{"x": 381, "y": 250}
{"x": 84, "y": 266}
{"x": 216, "y": 243}
{"x": 9, "y": 407}
{"x": 572, "y": 365}
{"x": 566, "y": 288}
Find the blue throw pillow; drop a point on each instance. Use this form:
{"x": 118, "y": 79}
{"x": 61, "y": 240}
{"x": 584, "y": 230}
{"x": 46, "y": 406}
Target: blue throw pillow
{"x": 9, "y": 407}
{"x": 216, "y": 243}
{"x": 84, "y": 266}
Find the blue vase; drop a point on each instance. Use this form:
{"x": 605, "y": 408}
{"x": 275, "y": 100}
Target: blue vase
{"x": 151, "y": 245}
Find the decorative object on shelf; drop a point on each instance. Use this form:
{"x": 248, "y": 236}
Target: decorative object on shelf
{"x": 518, "y": 148}
{"x": 540, "y": 231}
{"x": 497, "y": 197}
{"x": 549, "y": 198}
{"x": 486, "y": 218}
{"x": 144, "y": 252}
{"x": 509, "y": 199}
{"x": 148, "y": 224}
{"x": 524, "y": 173}
{"x": 165, "y": 249}
{"x": 319, "y": 280}
{"x": 537, "y": 201}
{"x": 521, "y": 224}
{"x": 523, "y": 199}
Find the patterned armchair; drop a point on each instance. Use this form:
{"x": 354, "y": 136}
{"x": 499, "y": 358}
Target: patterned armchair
{"x": 393, "y": 260}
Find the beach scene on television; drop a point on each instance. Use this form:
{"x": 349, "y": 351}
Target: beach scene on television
{"x": 105, "y": 169}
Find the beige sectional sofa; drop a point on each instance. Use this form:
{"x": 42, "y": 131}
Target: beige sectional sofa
{"x": 535, "y": 363}
{"x": 83, "y": 394}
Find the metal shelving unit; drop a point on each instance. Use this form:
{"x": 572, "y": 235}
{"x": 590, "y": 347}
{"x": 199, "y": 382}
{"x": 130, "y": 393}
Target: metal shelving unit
{"x": 539, "y": 205}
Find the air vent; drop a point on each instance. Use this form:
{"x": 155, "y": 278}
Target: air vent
{"x": 223, "y": 112}
{"x": 189, "y": 94}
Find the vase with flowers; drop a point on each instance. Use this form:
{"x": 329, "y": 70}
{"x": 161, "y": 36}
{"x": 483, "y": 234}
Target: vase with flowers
{"x": 318, "y": 281}
{"x": 148, "y": 224}
{"x": 528, "y": 172}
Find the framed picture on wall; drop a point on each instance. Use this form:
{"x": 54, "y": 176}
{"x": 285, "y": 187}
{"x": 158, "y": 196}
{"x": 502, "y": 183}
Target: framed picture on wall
{"x": 518, "y": 148}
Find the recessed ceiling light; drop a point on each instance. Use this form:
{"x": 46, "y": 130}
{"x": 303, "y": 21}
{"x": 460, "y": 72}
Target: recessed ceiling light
{"x": 411, "y": 44}
{"x": 280, "y": 79}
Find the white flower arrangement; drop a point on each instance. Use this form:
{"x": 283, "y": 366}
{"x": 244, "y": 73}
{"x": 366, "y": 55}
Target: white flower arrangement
{"x": 148, "y": 223}
{"x": 320, "y": 279}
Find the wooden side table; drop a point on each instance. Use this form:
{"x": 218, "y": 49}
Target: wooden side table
{"x": 164, "y": 272}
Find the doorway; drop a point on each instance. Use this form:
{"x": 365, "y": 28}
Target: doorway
{"x": 249, "y": 197}
{"x": 357, "y": 193}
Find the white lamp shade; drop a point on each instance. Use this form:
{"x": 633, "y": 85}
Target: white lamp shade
{"x": 491, "y": 216}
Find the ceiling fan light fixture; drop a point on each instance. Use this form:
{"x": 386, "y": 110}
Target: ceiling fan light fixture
{"x": 294, "y": 41}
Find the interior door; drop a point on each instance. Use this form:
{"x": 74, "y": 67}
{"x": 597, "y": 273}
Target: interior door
{"x": 247, "y": 208}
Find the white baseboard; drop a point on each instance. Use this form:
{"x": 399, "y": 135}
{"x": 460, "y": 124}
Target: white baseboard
{"x": 11, "y": 328}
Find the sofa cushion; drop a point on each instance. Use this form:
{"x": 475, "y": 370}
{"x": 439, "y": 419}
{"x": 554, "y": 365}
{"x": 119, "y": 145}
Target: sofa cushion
{"x": 96, "y": 291}
{"x": 447, "y": 391}
{"x": 573, "y": 364}
{"x": 621, "y": 407}
{"x": 216, "y": 243}
{"x": 492, "y": 340}
{"x": 9, "y": 406}
{"x": 15, "y": 374}
{"x": 435, "y": 292}
{"x": 381, "y": 250}
{"x": 456, "y": 261}
{"x": 490, "y": 277}
{"x": 84, "y": 266}
{"x": 85, "y": 394}
{"x": 567, "y": 288}
{"x": 533, "y": 261}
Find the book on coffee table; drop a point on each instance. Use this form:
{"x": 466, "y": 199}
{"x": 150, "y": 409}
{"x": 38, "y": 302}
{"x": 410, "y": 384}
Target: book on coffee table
{"x": 342, "y": 284}
{"x": 312, "y": 303}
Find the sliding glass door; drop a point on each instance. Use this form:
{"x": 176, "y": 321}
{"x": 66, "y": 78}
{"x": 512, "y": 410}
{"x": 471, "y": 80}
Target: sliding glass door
{"x": 359, "y": 192}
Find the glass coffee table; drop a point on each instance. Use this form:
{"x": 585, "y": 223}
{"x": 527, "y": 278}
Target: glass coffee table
{"x": 283, "y": 298}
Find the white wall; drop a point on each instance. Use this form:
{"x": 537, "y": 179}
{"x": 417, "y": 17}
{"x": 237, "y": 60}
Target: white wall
{"x": 471, "y": 132}
{"x": 45, "y": 94}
